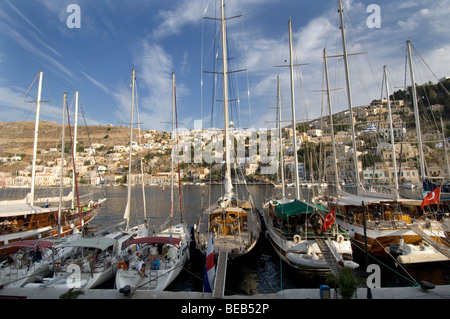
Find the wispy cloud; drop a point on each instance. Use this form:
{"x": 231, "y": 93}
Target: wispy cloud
{"x": 24, "y": 18}
{"x": 188, "y": 12}
{"x": 30, "y": 39}
{"x": 97, "y": 83}
{"x": 154, "y": 87}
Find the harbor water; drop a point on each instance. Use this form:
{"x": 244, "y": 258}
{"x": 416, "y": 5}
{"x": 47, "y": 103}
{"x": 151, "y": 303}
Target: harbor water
{"x": 259, "y": 272}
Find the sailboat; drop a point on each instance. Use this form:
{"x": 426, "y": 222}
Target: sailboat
{"x": 295, "y": 227}
{"x": 94, "y": 259}
{"x": 140, "y": 230}
{"x": 377, "y": 220}
{"x": 30, "y": 218}
{"x": 152, "y": 262}
{"x": 235, "y": 224}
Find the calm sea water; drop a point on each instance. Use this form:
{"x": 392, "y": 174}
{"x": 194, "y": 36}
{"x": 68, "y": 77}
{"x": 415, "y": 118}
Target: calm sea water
{"x": 261, "y": 271}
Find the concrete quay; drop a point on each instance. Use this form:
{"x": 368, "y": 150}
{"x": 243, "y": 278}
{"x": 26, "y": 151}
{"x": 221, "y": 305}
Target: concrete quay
{"x": 397, "y": 293}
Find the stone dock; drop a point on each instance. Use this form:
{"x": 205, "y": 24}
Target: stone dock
{"x": 439, "y": 292}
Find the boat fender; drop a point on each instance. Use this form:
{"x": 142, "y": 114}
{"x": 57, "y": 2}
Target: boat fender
{"x": 425, "y": 285}
{"x": 339, "y": 238}
{"x": 297, "y": 239}
{"x": 122, "y": 265}
{"x": 352, "y": 234}
{"x": 125, "y": 290}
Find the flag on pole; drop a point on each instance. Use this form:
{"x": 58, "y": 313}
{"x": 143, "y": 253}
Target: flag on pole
{"x": 432, "y": 198}
{"x": 329, "y": 219}
{"x": 210, "y": 271}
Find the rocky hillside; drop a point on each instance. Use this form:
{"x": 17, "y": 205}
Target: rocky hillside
{"x": 17, "y": 137}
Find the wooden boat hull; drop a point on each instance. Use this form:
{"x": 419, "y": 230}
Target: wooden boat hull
{"x": 45, "y": 225}
{"x": 378, "y": 240}
{"x": 237, "y": 235}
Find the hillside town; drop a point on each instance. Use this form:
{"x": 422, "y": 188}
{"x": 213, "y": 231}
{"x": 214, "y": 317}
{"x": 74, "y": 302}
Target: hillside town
{"x": 105, "y": 160}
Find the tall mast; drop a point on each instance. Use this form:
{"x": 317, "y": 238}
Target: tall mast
{"x": 336, "y": 176}
{"x": 280, "y": 140}
{"x": 173, "y": 142}
{"x": 61, "y": 178}
{"x": 349, "y": 96}
{"x": 416, "y": 113}
{"x": 74, "y": 150}
{"x": 127, "y": 208}
{"x": 394, "y": 159}
{"x": 36, "y": 133}
{"x": 294, "y": 126}
{"x": 228, "y": 184}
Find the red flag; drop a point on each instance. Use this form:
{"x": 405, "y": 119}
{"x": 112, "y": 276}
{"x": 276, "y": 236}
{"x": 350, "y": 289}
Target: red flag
{"x": 329, "y": 219}
{"x": 432, "y": 198}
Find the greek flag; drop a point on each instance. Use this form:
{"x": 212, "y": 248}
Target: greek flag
{"x": 371, "y": 128}
{"x": 210, "y": 271}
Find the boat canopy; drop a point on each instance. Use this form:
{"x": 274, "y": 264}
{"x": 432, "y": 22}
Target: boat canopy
{"x": 155, "y": 240}
{"x": 12, "y": 208}
{"x": 43, "y": 244}
{"x": 297, "y": 208}
{"x": 358, "y": 200}
{"x": 96, "y": 242}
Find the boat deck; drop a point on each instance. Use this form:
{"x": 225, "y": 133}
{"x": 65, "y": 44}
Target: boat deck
{"x": 234, "y": 240}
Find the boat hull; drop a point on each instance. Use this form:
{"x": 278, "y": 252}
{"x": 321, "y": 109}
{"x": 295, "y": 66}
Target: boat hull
{"x": 377, "y": 240}
{"x": 132, "y": 276}
{"x": 45, "y": 226}
{"x": 305, "y": 254}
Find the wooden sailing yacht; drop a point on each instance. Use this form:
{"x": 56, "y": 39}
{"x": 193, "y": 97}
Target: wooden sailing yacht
{"x": 375, "y": 220}
{"x": 294, "y": 226}
{"x": 31, "y": 218}
{"x": 235, "y": 224}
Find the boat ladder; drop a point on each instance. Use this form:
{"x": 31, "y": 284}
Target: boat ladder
{"x": 332, "y": 260}
{"x": 153, "y": 279}
{"x": 221, "y": 272}
{"x": 429, "y": 240}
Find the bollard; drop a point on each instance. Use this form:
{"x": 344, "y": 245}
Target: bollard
{"x": 324, "y": 292}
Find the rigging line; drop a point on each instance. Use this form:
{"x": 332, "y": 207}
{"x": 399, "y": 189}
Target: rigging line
{"x": 423, "y": 60}
{"x": 300, "y": 85}
{"x": 247, "y": 76}
{"x": 90, "y": 144}
{"x": 360, "y": 43}
{"x": 140, "y": 154}
{"x": 23, "y": 97}
{"x": 411, "y": 280}
{"x": 80, "y": 211}
{"x": 179, "y": 175}
{"x": 397, "y": 263}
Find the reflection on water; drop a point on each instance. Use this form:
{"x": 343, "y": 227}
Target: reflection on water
{"x": 261, "y": 271}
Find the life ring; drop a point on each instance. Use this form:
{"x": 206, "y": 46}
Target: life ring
{"x": 388, "y": 215}
{"x": 297, "y": 239}
{"x": 339, "y": 238}
{"x": 122, "y": 265}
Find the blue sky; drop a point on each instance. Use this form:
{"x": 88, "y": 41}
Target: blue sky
{"x": 160, "y": 37}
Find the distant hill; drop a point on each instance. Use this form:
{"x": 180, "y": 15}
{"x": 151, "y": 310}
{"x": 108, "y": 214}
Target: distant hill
{"x": 17, "y": 137}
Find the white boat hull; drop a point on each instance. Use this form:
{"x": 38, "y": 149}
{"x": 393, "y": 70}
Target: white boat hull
{"x": 304, "y": 253}
{"x": 155, "y": 279}
{"x": 314, "y": 262}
